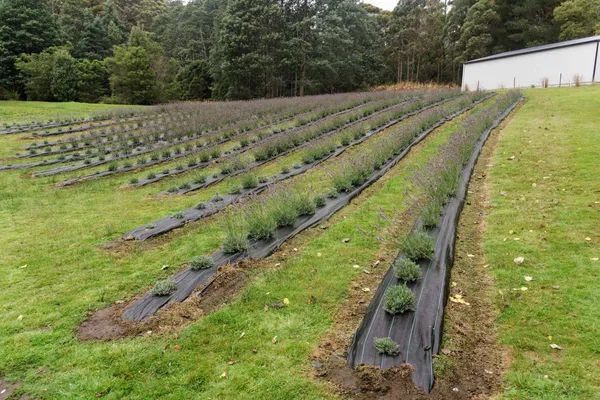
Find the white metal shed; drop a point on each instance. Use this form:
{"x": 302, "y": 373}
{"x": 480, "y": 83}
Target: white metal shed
{"x": 558, "y": 64}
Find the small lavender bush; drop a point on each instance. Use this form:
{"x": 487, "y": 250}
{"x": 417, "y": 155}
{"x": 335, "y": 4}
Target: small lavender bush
{"x": 417, "y": 246}
{"x": 387, "y": 346}
{"x": 164, "y": 287}
{"x": 407, "y": 270}
{"x": 201, "y": 262}
{"x": 399, "y": 299}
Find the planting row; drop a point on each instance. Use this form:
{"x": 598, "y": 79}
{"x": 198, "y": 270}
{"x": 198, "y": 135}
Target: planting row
{"x": 250, "y": 183}
{"x": 240, "y": 117}
{"x": 282, "y": 145}
{"x": 259, "y": 226}
{"x": 159, "y": 140}
{"x": 211, "y": 151}
{"x": 14, "y": 128}
{"x": 403, "y": 323}
{"x": 315, "y": 151}
{"x": 237, "y": 117}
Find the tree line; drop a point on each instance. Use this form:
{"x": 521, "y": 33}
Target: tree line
{"x": 153, "y": 51}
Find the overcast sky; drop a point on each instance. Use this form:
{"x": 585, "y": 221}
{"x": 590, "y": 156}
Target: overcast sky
{"x": 384, "y": 4}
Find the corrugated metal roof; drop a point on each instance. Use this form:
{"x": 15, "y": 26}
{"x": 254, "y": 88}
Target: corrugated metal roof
{"x": 551, "y": 46}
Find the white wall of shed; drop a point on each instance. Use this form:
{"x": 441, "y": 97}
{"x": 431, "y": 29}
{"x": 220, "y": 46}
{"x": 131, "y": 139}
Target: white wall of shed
{"x": 528, "y": 69}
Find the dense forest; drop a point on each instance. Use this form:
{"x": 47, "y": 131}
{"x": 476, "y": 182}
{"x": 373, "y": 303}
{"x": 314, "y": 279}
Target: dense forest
{"x": 152, "y": 51}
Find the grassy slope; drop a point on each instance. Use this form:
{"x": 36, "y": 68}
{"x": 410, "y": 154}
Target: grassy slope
{"x": 552, "y": 206}
{"x": 27, "y": 111}
{"x": 56, "y": 233}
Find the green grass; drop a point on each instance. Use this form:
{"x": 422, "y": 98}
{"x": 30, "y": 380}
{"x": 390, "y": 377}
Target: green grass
{"x": 57, "y": 234}
{"x": 28, "y": 111}
{"x": 552, "y": 205}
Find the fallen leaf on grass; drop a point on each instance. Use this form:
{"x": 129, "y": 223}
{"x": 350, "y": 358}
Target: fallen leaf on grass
{"x": 522, "y": 288}
{"x": 594, "y": 258}
{"x": 470, "y": 255}
{"x": 242, "y": 335}
{"x": 274, "y": 340}
{"x": 319, "y": 254}
{"x": 453, "y": 284}
{"x": 356, "y": 266}
{"x": 519, "y": 260}
{"x": 457, "y": 298}
{"x": 286, "y": 301}
{"x": 346, "y": 240}
{"x": 555, "y": 346}
{"x": 366, "y": 272}
{"x": 19, "y": 318}
{"x": 23, "y": 266}
{"x": 224, "y": 375}
{"x": 366, "y": 289}
{"x": 266, "y": 308}
{"x": 588, "y": 239}
{"x": 177, "y": 348}
{"x": 528, "y": 278}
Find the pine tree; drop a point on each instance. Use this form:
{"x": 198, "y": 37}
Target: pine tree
{"x": 71, "y": 20}
{"x": 250, "y": 40}
{"x": 94, "y": 42}
{"x": 115, "y": 28}
{"x": 479, "y": 33}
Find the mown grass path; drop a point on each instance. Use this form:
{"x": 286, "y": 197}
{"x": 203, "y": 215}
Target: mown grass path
{"x": 546, "y": 208}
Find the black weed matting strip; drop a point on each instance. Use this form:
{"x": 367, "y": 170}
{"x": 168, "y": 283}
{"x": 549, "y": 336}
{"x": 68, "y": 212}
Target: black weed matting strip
{"x": 170, "y": 223}
{"x": 94, "y": 126}
{"x": 419, "y": 334}
{"x": 159, "y": 145}
{"x": 188, "y": 280}
{"x": 30, "y": 128}
{"x": 100, "y": 174}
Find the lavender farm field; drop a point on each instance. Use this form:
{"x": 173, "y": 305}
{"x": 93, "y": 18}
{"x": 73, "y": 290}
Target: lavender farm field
{"x": 281, "y": 290}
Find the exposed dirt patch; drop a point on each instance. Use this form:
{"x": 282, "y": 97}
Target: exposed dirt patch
{"x": 8, "y": 389}
{"x": 471, "y": 364}
{"x": 101, "y": 326}
{"x": 106, "y": 324}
